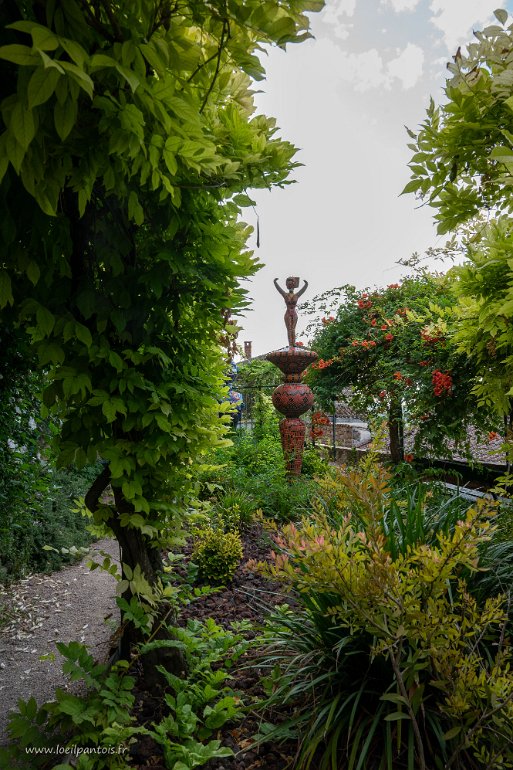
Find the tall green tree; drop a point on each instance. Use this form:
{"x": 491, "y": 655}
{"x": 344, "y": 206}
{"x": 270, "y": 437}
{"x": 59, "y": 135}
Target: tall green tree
{"x": 462, "y": 165}
{"x": 128, "y": 143}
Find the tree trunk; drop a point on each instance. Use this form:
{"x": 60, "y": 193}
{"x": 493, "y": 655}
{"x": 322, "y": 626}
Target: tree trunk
{"x": 395, "y": 430}
{"x": 137, "y": 549}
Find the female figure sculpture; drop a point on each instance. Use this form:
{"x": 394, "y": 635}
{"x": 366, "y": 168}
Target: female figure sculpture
{"x": 291, "y": 299}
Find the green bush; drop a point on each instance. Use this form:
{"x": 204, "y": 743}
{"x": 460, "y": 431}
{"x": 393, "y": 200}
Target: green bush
{"x": 217, "y": 555}
{"x": 391, "y": 660}
{"x": 36, "y": 500}
{"x": 254, "y": 470}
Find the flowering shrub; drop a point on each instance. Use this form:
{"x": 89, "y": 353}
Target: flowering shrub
{"x": 394, "y": 346}
{"x": 390, "y": 660}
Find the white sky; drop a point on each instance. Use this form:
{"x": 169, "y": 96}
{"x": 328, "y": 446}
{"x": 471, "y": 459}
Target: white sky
{"x": 343, "y": 99}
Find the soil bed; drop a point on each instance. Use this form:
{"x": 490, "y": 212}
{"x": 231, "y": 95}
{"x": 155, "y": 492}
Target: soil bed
{"x": 248, "y": 597}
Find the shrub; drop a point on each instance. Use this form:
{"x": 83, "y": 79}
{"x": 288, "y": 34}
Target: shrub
{"x": 234, "y": 509}
{"x": 390, "y": 660}
{"x": 217, "y": 554}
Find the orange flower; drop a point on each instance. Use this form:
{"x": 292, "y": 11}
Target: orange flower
{"x": 408, "y": 458}
{"x": 398, "y": 376}
{"x": 493, "y": 435}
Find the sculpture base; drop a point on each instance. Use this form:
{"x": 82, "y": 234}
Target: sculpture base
{"x": 292, "y": 431}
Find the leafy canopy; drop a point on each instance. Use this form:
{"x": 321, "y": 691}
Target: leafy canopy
{"x": 128, "y": 143}
{"x": 462, "y": 160}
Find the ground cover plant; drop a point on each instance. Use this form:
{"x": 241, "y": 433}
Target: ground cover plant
{"x": 393, "y": 657}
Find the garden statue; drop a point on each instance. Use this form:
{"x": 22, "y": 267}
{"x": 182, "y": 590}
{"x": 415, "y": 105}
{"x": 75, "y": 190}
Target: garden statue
{"x": 293, "y": 397}
{"x": 291, "y": 299}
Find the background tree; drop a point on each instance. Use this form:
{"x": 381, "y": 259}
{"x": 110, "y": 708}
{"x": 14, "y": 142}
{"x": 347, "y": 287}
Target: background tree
{"x": 393, "y": 347}
{"x": 463, "y": 166}
{"x": 128, "y": 142}
{"x": 462, "y": 162}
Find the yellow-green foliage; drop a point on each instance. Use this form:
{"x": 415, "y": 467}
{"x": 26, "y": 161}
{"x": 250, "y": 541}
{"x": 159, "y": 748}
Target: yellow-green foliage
{"x": 448, "y": 653}
{"x": 217, "y": 554}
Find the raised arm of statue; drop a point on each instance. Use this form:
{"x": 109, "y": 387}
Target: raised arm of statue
{"x": 302, "y": 291}
{"x": 283, "y": 293}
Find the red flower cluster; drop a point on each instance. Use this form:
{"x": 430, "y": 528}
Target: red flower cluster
{"x": 427, "y": 339}
{"x": 363, "y": 344}
{"x": 393, "y": 286}
{"x": 389, "y": 337}
{"x": 300, "y": 344}
{"x": 423, "y": 363}
{"x": 408, "y": 458}
{"x": 442, "y": 383}
{"x": 319, "y": 418}
{"x": 322, "y": 364}
{"x": 329, "y": 320}
{"x": 363, "y": 304}
{"x": 382, "y": 393}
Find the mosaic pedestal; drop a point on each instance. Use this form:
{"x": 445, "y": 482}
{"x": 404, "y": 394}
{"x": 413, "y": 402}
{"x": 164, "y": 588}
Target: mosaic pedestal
{"x": 293, "y": 398}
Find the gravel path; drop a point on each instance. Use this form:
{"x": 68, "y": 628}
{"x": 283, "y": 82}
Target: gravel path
{"x": 72, "y": 604}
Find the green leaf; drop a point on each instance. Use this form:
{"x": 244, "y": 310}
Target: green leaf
{"x": 183, "y": 109}
{"x": 83, "y": 334}
{"x": 170, "y": 160}
{"x": 135, "y": 210}
{"x": 99, "y": 61}
{"x": 454, "y": 731}
{"x": 6, "y": 297}
{"x": 33, "y": 272}
{"x": 22, "y": 125}
{"x": 130, "y": 77}
{"x": 115, "y": 360}
{"x": 80, "y": 77}
{"x": 75, "y": 51}
{"x": 243, "y": 200}
{"x": 395, "y": 716}
{"x": 65, "y": 116}
{"x": 501, "y": 15}
{"x": 19, "y": 54}
{"x": 45, "y": 320}
{"x": 41, "y": 86}
{"x": 412, "y": 186}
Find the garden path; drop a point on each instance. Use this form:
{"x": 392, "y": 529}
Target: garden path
{"x": 74, "y": 603}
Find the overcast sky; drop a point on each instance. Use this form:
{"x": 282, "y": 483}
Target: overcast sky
{"x": 343, "y": 99}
